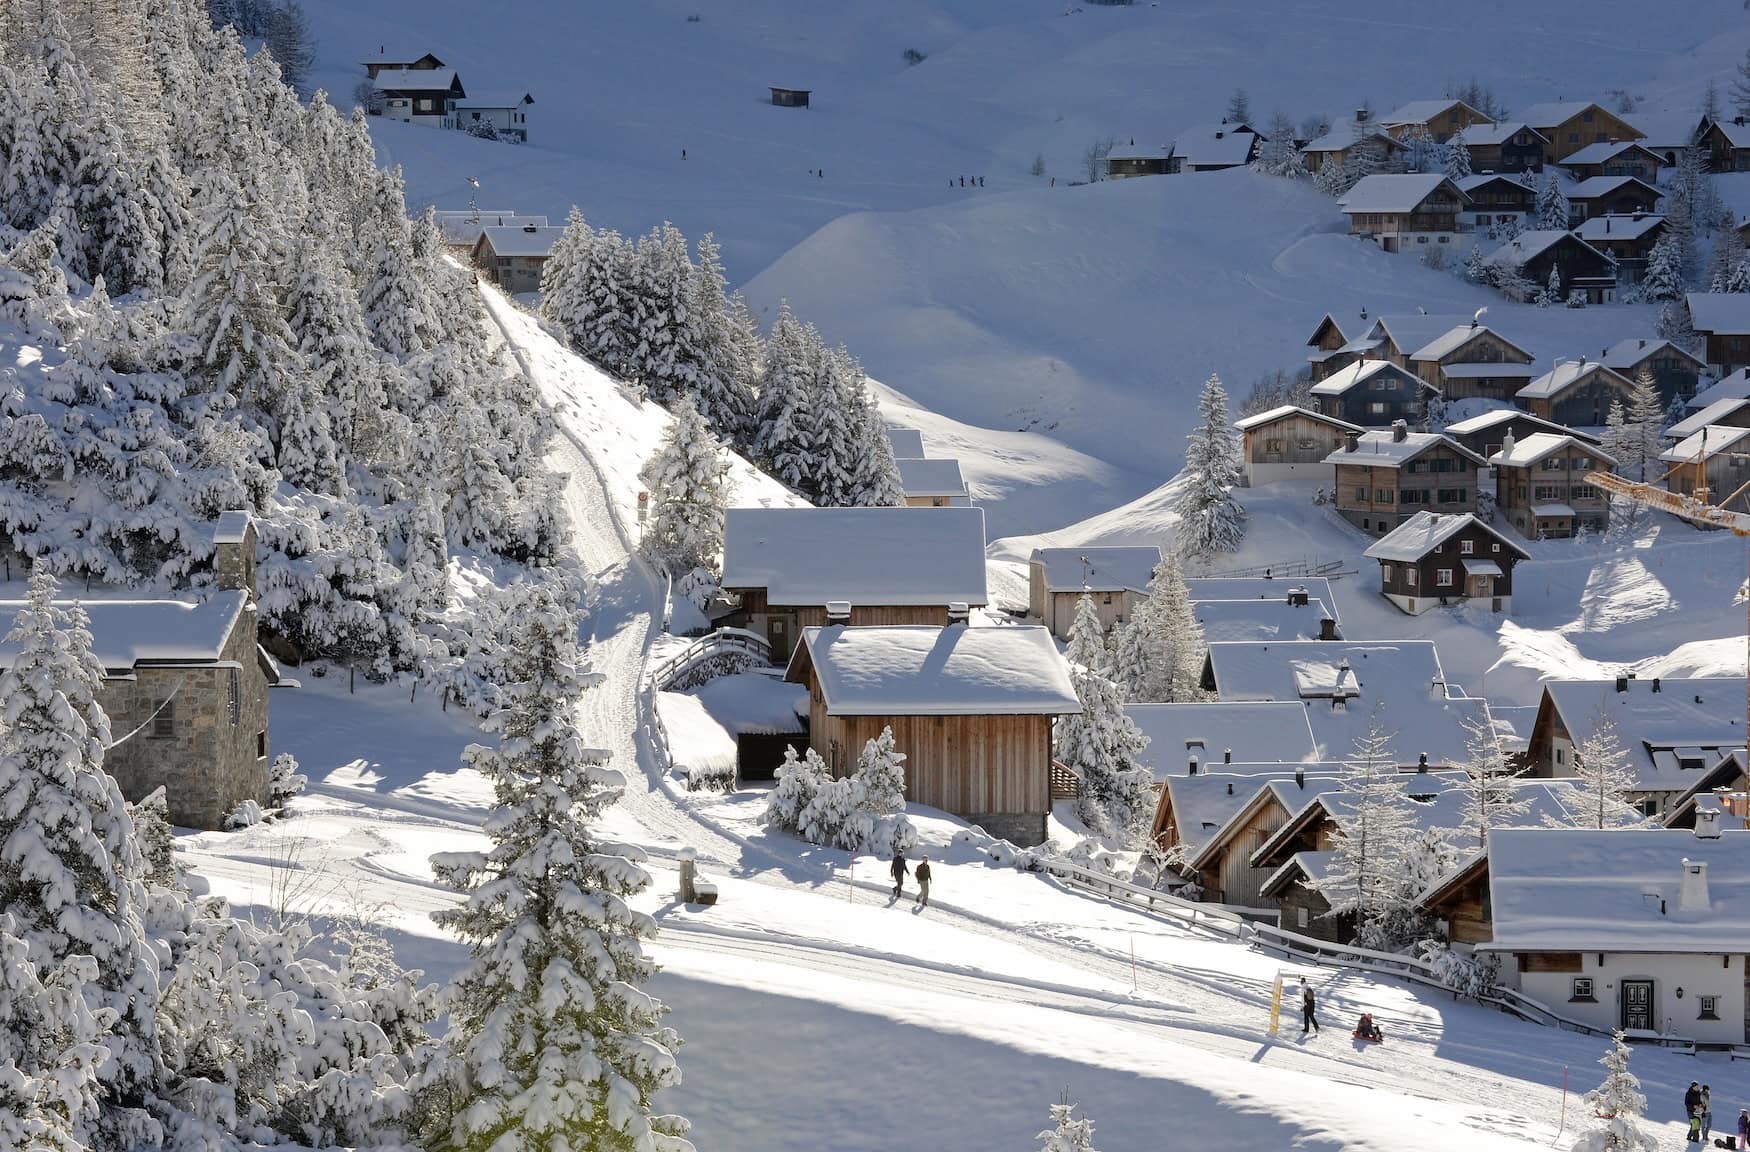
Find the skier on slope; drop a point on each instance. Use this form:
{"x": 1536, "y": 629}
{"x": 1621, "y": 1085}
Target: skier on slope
{"x": 898, "y": 871}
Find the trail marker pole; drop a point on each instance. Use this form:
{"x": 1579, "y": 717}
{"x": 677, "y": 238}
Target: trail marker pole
{"x": 1564, "y": 1122}
{"x": 1276, "y": 1005}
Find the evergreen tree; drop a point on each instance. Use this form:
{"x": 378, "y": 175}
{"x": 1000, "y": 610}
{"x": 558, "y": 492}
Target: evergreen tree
{"x": 393, "y": 301}
{"x": 797, "y": 782}
{"x": 1375, "y": 823}
{"x": 1490, "y": 798}
{"x": 1456, "y": 162}
{"x": 689, "y": 486}
{"x": 1475, "y": 270}
{"x": 1067, "y": 1134}
{"x": 553, "y": 1043}
{"x": 1160, "y": 648}
{"x": 1739, "y": 278}
{"x": 1277, "y": 155}
{"x": 564, "y": 277}
{"x": 783, "y": 443}
{"x": 1602, "y": 767}
{"x": 1617, "y": 1105}
{"x": 1102, "y": 744}
{"x": 721, "y": 384}
{"x": 1552, "y": 289}
{"x": 664, "y": 358}
{"x": 1663, "y": 279}
{"x": 1210, "y": 519}
{"x": 881, "y": 769}
{"x": 1645, "y": 422}
{"x": 1421, "y": 153}
{"x": 1553, "y": 211}
{"x": 1728, "y": 253}
{"x": 1619, "y": 445}
{"x": 1239, "y": 107}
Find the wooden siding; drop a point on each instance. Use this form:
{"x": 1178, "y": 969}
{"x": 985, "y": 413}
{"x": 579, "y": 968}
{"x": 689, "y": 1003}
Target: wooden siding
{"x": 1469, "y": 919}
{"x": 1483, "y": 348}
{"x": 1586, "y": 402}
{"x": 1378, "y": 499}
{"x": 1114, "y": 609}
{"x": 782, "y": 624}
{"x": 1726, "y": 473}
{"x": 1549, "y": 961}
{"x": 1726, "y": 352}
{"x": 1317, "y": 922}
{"x": 1230, "y": 877}
{"x": 1593, "y": 125}
{"x": 1559, "y": 478}
{"x": 1292, "y": 439}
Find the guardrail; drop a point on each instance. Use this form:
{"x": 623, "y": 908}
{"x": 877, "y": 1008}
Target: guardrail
{"x": 722, "y": 642}
{"x": 1212, "y": 916}
{"x": 1288, "y": 571}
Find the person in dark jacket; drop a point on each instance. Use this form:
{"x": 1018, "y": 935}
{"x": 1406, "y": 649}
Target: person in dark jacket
{"x": 923, "y": 875}
{"x": 1692, "y": 1110}
{"x": 1307, "y": 1004}
{"x": 1706, "y": 1112}
{"x": 898, "y": 875}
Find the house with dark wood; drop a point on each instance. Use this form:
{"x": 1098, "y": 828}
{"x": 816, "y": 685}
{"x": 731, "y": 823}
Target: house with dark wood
{"x": 1581, "y": 269}
{"x": 1510, "y": 146}
{"x": 1731, "y": 412}
{"x": 1541, "y": 489}
{"x": 1133, "y": 159}
{"x": 1497, "y": 200}
{"x": 1116, "y": 576}
{"x": 1571, "y": 125}
{"x": 1628, "y": 240}
{"x": 1384, "y": 478}
{"x": 1713, "y": 465}
{"x": 1396, "y": 337}
{"x": 418, "y": 95}
{"x": 1191, "y": 808}
{"x": 1675, "y": 371}
{"x": 1473, "y": 360}
{"x": 1485, "y": 434}
{"x": 1404, "y": 210}
{"x": 1459, "y": 902}
{"x": 1669, "y": 135}
{"x": 782, "y": 567}
{"x": 971, "y": 708}
{"x": 1327, "y": 345}
{"x": 1611, "y": 196}
{"x": 791, "y": 97}
{"x": 1370, "y": 393}
{"x": 1726, "y": 144}
{"x": 1214, "y": 147}
{"x": 933, "y": 484}
{"x": 1576, "y": 393}
{"x": 1722, "y": 320}
{"x": 513, "y": 258}
{"x": 1615, "y": 158}
{"x": 1438, "y": 118}
{"x": 1433, "y": 559}
{"x": 401, "y": 61}
{"x": 1290, "y": 443}
{"x": 1335, "y": 146}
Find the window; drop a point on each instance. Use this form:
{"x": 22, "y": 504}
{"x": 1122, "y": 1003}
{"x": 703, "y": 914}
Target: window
{"x": 1582, "y": 990}
{"x": 1582, "y": 464}
{"x": 1384, "y": 496}
{"x": 1585, "y": 117}
{"x": 1413, "y": 467}
{"x": 1453, "y": 495}
{"x": 1361, "y": 495}
{"x": 1649, "y": 807}
{"x": 1552, "y": 464}
{"x": 1709, "y": 1007}
{"x": 1413, "y": 496}
{"x": 475, "y": 115}
{"x": 1466, "y": 547}
{"x": 234, "y": 695}
{"x": 1300, "y": 916}
{"x": 1307, "y": 444}
{"x": 261, "y": 745}
{"x": 1106, "y": 598}
{"x": 164, "y": 720}
{"x": 1378, "y": 408}
{"x": 1548, "y": 492}
{"x": 1573, "y": 137}
{"x": 1443, "y": 578}
{"x": 1409, "y": 576}
{"x": 1274, "y": 445}
{"x": 1495, "y": 547}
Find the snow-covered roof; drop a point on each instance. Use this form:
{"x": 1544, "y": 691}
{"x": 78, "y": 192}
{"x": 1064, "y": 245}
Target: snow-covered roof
{"x": 1248, "y": 422}
{"x": 1289, "y": 792}
{"x": 1554, "y": 112}
{"x": 1457, "y": 337}
{"x": 1714, "y": 413}
{"x": 1720, "y": 313}
{"x": 1393, "y": 192}
{"x": 1317, "y": 588}
{"x": 868, "y": 556}
{"x": 1344, "y": 137}
{"x": 1666, "y": 131}
{"x": 1733, "y": 387}
{"x": 1256, "y": 734}
{"x": 527, "y": 240}
{"x": 1380, "y": 449}
{"x": 1627, "y": 354}
{"x": 1536, "y": 446}
{"x": 917, "y": 670}
{"x": 1603, "y": 151}
{"x": 1492, "y": 370}
{"x": 1422, "y": 111}
{"x": 908, "y": 443}
{"x": 231, "y": 527}
{"x": 1546, "y": 510}
{"x": 1565, "y": 375}
{"x": 1259, "y": 619}
{"x": 1705, "y": 443}
{"x": 1203, "y": 804}
{"x": 1618, "y": 226}
{"x": 1426, "y": 531}
{"x": 1529, "y": 245}
{"x": 126, "y": 633}
{"x": 1115, "y": 568}
{"x": 1350, "y": 375}
{"x": 497, "y": 100}
{"x": 1215, "y": 145}
{"x": 1499, "y": 133}
{"x": 1502, "y": 415}
{"x": 931, "y": 477}
{"x": 1593, "y": 187}
{"x": 1143, "y": 151}
{"x": 1469, "y": 184}
{"x": 462, "y": 229}
{"x": 1341, "y": 682}
{"x": 1616, "y": 890}
{"x": 1736, "y": 132}
{"x": 415, "y": 79}
{"x": 1703, "y": 714}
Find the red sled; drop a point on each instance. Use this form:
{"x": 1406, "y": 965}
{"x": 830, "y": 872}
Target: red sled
{"x": 1368, "y": 1039}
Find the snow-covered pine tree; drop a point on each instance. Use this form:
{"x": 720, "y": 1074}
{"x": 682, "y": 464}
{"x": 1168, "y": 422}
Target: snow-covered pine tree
{"x": 1552, "y": 288}
{"x": 1067, "y": 1134}
{"x": 1456, "y": 161}
{"x": 612, "y": 283}
{"x": 1474, "y": 269}
{"x": 1645, "y": 421}
{"x": 722, "y": 382}
{"x": 1160, "y": 648}
{"x": 393, "y": 298}
{"x": 1663, "y": 279}
{"x": 798, "y": 779}
{"x": 1616, "y": 1106}
{"x": 1727, "y": 254}
{"x": 1739, "y": 278}
{"x": 783, "y": 443}
{"x": 1490, "y": 798}
{"x": 873, "y": 473}
{"x": 1278, "y": 156}
{"x": 1102, "y": 744}
{"x": 1618, "y": 444}
{"x": 1375, "y": 823}
{"x": 1553, "y": 210}
{"x": 553, "y": 1042}
{"x": 689, "y": 486}
{"x": 1210, "y": 519}
{"x": 664, "y": 357}
{"x": 1605, "y": 780}
{"x": 1134, "y": 659}
{"x": 285, "y": 782}
{"x": 881, "y": 772}
{"x": 564, "y": 277}
{"x": 1421, "y": 153}
{"x": 157, "y": 840}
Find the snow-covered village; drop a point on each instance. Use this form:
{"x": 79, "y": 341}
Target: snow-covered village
{"x": 948, "y": 574}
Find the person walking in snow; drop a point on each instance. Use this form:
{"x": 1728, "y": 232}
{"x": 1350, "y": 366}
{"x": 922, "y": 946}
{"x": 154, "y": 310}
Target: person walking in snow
{"x": 1706, "y": 1112}
{"x": 898, "y": 874}
{"x": 923, "y": 875}
{"x": 1307, "y": 1004}
{"x": 1744, "y": 1127}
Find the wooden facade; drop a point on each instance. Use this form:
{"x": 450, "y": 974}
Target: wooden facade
{"x": 1727, "y": 472}
{"x": 1726, "y": 145}
{"x": 790, "y": 97}
{"x": 1625, "y": 199}
{"x": 1585, "y": 400}
{"x": 1476, "y": 563}
{"x": 1324, "y": 358}
{"x": 1629, "y": 159}
{"x": 1224, "y": 868}
{"x": 1377, "y": 497}
{"x": 1484, "y": 347}
{"x": 1461, "y": 902}
{"x": 1516, "y": 148}
{"x": 1381, "y": 393}
{"x": 1549, "y": 496}
{"x": 782, "y": 624}
{"x": 1487, "y": 440}
{"x": 1498, "y": 199}
{"x": 1292, "y": 446}
{"x": 1581, "y": 125}
{"x": 1440, "y": 122}
{"x": 1675, "y": 371}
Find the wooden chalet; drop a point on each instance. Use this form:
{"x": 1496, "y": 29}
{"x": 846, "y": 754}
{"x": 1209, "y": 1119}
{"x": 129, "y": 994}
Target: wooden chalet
{"x": 971, "y": 708}
{"x": 1611, "y": 196}
{"x": 1485, "y": 434}
{"x": 1327, "y": 343}
{"x": 1541, "y": 489}
{"x": 1730, "y": 412}
{"x": 1215, "y": 147}
{"x": 513, "y": 257}
{"x": 1404, "y": 209}
{"x": 1628, "y": 240}
{"x": 1511, "y": 146}
{"x": 1732, "y": 386}
{"x": 1133, "y": 159}
{"x": 1496, "y": 200}
{"x": 1576, "y": 393}
{"x": 1370, "y": 393}
{"x": 1572, "y": 125}
{"x": 1615, "y": 158}
{"x": 1335, "y": 146}
{"x": 1675, "y": 371}
{"x": 1290, "y": 443}
{"x": 791, "y": 97}
{"x": 1117, "y": 577}
{"x": 1726, "y": 144}
{"x": 1460, "y": 902}
{"x": 1222, "y": 867}
{"x": 933, "y": 483}
{"x": 1713, "y": 463}
{"x": 1580, "y": 268}
{"x": 1432, "y": 559}
{"x": 1384, "y": 478}
{"x": 1473, "y": 360}
{"x": 400, "y": 61}
{"x": 1722, "y": 319}
{"x": 782, "y": 567}
{"x": 1438, "y": 118}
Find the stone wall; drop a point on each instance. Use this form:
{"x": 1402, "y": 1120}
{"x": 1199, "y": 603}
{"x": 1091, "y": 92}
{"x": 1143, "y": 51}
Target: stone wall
{"x": 1025, "y": 829}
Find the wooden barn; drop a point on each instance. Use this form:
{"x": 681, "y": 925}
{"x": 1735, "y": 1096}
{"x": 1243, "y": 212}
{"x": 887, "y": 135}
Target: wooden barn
{"x": 1676, "y": 371}
{"x": 1290, "y": 443}
{"x": 1615, "y": 158}
{"x": 971, "y": 708}
{"x": 1370, "y": 393}
{"x": 1117, "y": 577}
{"x": 1576, "y": 393}
{"x": 1580, "y": 268}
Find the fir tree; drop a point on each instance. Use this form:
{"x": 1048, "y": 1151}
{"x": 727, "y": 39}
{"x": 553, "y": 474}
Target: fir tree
{"x": 1456, "y": 162}
{"x": 393, "y": 301}
{"x": 1421, "y": 153}
{"x": 1602, "y": 767}
{"x": 721, "y": 384}
{"x": 1475, "y": 270}
{"x": 1645, "y": 422}
{"x": 1210, "y": 519}
{"x": 881, "y": 771}
{"x": 689, "y": 486}
{"x": 1102, "y": 744}
{"x": 1663, "y": 279}
{"x": 1277, "y": 155}
{"x": 1239, "y": 107}
{"x": 1067, "y": 1134}
{"x": 1617, "y": 1105}
{"x": 553, "y": 1043}
{"x": 784, "y": 441}
{"x": 1490, "y": 799}
{"x": 1375, "y": 822}
{"x": 1553, "y": 211}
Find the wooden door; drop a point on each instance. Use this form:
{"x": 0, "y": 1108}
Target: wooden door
{"x": 1637, "y": 1004}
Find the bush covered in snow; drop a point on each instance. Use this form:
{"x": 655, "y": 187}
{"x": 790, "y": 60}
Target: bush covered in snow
{"x": 710, "y": 778}
{"x": 245, "y": 815}
{"x": 862, "y": 812}
{"x": 285, "y": 782}
{"x": 1467, "y": 973}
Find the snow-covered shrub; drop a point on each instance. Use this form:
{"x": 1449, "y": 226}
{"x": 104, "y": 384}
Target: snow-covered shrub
{"x": 836, "y": 817}
{"x": 697, "y": 587}
{"x": 1617, "y": 1105}
{"x": 284, "y": 780}
{"x": 864, "y": 812}
{"x": 798, "y": 779}
{"x": 1067, "y": 1134}
{"x": 711, "y": 778}
{"x": 881, "y": 773}
{"x": 1470, "y": 974}
{"x": 246, "y": 814}
{"x": 157, "y": 840}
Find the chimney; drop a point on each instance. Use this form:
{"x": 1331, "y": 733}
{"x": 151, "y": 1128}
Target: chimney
{"x": 1622, "y": 683}
{"x": 1230, "y": 787}
{"x": 1738, "y": 120}
{"x": 1227, "y": 755}
{"x": 838, "y": 612}
{"x": 1655, "y": 683}
{"x": 1298, "y": 597}
{"x": 1327, "y": 628}
{"x": 1436, "y": 688}
{"x": 530, "y": 228}
{"x": 958, "y": 612}
{"x": 1707, "y": 823}
{"x": 1362, "y": 115}
{"x": 1191, "y": 768}
{"x": 1351, "y": 441}
{"x": 1507, "y": 443}
{"x": 1692, "y": 896}
{"x": 1422, "y": 762}
{"x": 1643, "y": 343}
{"x": 1399, "y": 430}
{"x": 1300, "y": 777}
{"x": 234, "y": 552}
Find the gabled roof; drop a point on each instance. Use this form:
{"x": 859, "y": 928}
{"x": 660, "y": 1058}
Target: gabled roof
{"x": 1287, "y": 792}
{"x": 1212, "y": 145}
{"x": 908, "y": 443}
{"x": 1317, "y": 588}
{"x": 1395, "y": 192}
{"x": 1379, "y": 449}
{"x": 1608, "y": 150}
{"x": 1536, "y": 446}
{"x": 1422, "y": 111}
{"x": 1714, "y": 413}
{"x": 1733, "y": 387}
{"x": 1705, "y": 443}
{"x": 1424, "y": 532}
{"x": 1348, "y": 376}
{"x": 918, "y": 670}
{"x": 1259, "y": 619}
{"x": 1619, "y": 226}
{"x": 1143, "y": 151}
{"x": 1593, "y": 187}
{"x": 1457, "y": 337}
{"x": 461, "y": 228}
{"x": 1736, "y": 132}
{"x": 1413, "y": 330}
{"x": 416, "y": 80}
{"x": 1499, "y": 133}
{"x": 1331, "y": 321}
{"x": 1704, "y": 714}
{"x": 868, "y": 556}
{"x": 1556, "y": 112}
{"x": 931, "y": 477}
{"x": 1502, "y": 415}
{"x": 526, "y": 240}
{"x": 1116, "y": 568}
{"x": 1720, "y": 313}
{"x": 1565, "y": 376}
{"x": 1666, "y": 130}
{"x": 1469, "y": 184}
{"x": 1246, "y": 423}
{"x": 129, "y": 633}
{"x": 1616, "y": 890}
{"x": 1256, "y": 734}
{"x": 509, "y": 99}
{"x": 1631, "y": 353}
{"x": 405, "y": 56}
{"x": 1203, "y": 804}
{"x": 1344, "y": 137}
{"x": 1531, "y": 244}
